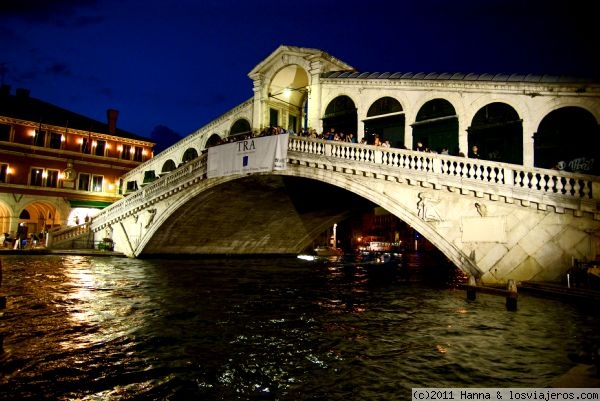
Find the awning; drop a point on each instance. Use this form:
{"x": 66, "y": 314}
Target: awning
{"x": 89, "y": 204}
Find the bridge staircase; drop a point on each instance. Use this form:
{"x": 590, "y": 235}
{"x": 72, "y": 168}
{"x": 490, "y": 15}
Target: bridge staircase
{"x": 73, "y": 237}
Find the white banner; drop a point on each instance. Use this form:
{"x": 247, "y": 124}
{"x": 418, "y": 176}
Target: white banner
{"x": 254, "y": 155}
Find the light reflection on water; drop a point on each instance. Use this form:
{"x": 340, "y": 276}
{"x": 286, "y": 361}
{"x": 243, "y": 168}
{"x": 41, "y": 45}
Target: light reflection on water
{"x": 114, "y": 328}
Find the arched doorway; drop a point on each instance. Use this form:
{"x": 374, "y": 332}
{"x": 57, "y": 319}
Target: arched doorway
{"x": 568, "y": 138}
{"x": 288, "y": 94}
{"x": 436, "y": 126}
{"x": 385, "y": 117}
{"x": 341, "y": 115}
{"x": 497, "y": 131}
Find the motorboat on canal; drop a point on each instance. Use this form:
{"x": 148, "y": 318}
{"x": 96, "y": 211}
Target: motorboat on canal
{"x": 327, "y": 251}
{"x": 379, "y": 262}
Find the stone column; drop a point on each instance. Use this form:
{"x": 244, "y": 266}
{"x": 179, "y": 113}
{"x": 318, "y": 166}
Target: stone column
{"x": 528, "y": 131}
{"x": 410, "y": 115}
{"x": 314, "y": 97}
{"x": 257, "y": 106}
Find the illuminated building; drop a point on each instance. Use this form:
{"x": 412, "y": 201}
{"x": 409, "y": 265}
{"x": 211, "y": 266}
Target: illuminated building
{"x": 58, "y": 167}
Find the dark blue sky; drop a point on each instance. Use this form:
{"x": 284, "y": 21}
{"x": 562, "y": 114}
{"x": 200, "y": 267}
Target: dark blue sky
{"x": 182, "y": 63}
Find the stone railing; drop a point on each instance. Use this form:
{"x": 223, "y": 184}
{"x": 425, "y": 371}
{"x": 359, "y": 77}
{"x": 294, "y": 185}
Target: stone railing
{"x": 541, "y": 187}
{"x": 527, "y": 184}
{"x": 197, "y": 140}
{"x": 56, "y": 238}
{"x": 165, "y": 186}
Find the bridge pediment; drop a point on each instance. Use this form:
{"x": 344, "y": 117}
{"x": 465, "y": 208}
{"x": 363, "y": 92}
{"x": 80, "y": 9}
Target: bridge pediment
{"x": 306, "y": 57}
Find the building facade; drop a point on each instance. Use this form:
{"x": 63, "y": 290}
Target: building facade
{"x": 57, "y": 167}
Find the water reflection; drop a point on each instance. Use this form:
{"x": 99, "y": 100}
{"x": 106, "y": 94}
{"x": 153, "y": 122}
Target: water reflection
{"x": 111, "y": 328}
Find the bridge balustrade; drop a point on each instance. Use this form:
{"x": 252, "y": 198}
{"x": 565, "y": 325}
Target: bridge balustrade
{"x": 559, "y": 189}
{"x": 169, "y": 183}
{"x": 455, "y": 170}
{"x": 60, "y": 235}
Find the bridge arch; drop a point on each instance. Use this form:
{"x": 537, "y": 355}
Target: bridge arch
{"x": 341, "y": 113}
{"x": 160, "y": 228}
{"x": 386, "y": 117}
{"x": 240, "y": 127}
{"x": 189, "y": 155}
{"x": 285, "y": 70}
{"x": 436, "y": 126}
{"x": 287, "y": 93}
{"x": 213, "y": 139}
{"x": 497, "y": 130}
{"x": 168, "y": 166}
{"x": 579, "y": 153}
{"x": 394, "y": 205}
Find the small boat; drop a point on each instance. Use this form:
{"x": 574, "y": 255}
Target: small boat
{"x": 327, "y": 251}
{"x": 381, "y": 259}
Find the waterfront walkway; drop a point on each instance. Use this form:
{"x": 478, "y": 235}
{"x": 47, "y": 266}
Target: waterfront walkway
{"x": 46, "y": 251}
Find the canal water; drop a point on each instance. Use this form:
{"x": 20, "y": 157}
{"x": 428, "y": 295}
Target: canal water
{"x": 103, "y": 328}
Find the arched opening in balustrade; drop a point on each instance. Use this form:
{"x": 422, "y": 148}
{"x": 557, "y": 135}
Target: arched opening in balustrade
{"x": 240, "y": 129}
{"x": 568, "y": 139}
{"x": 436, "y": 127}
{"x": 189, "y": 155}
{"x": 497, "y": 131}
{"x": 288, "y": 94}
{"x": 385, "y": 118}
{"x": 213, "y": 140}
{"x": 168, "y": 166}
{"x": 341, "y": 115}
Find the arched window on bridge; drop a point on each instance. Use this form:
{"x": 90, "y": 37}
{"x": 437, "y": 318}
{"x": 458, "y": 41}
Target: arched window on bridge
{"x": 497, "y": 131}
{"x": 168, "y": 166}
{"x": 189, "y": 155}
{"x": 385, "y": 117}
{"x": 240, "y": 129}
{"x": 213, "y": 140}
{"x": 436, "y": 126}
{"x": 571, "y": 136}
{"x": 341, "y": 114}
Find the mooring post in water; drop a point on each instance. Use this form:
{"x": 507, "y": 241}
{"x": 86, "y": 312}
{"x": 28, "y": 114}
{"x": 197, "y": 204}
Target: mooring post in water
{"x": 511, "y": 296}
{"x": 471, "y": 291}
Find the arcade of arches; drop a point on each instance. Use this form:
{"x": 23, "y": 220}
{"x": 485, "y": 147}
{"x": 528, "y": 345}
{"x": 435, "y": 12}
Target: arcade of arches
{"x": 496, "y": 129}
{"x": 566, "y": 138}
{"x": 37, "y": 216}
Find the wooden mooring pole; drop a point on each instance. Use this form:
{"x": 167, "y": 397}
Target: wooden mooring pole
{"x": 510, "y": 292}
{"x": 471, "y": 289}
{"x": 511, "y": 296}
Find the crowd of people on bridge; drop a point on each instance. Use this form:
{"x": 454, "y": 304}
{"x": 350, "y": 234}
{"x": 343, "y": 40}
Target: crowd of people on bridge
{"x": 331, "y": 134}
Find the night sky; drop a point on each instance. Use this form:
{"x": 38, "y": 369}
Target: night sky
{"x": 181, "y": 64}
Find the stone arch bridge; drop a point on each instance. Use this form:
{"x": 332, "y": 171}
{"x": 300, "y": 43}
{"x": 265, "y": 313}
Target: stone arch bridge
{"x": 496, "y": 221}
